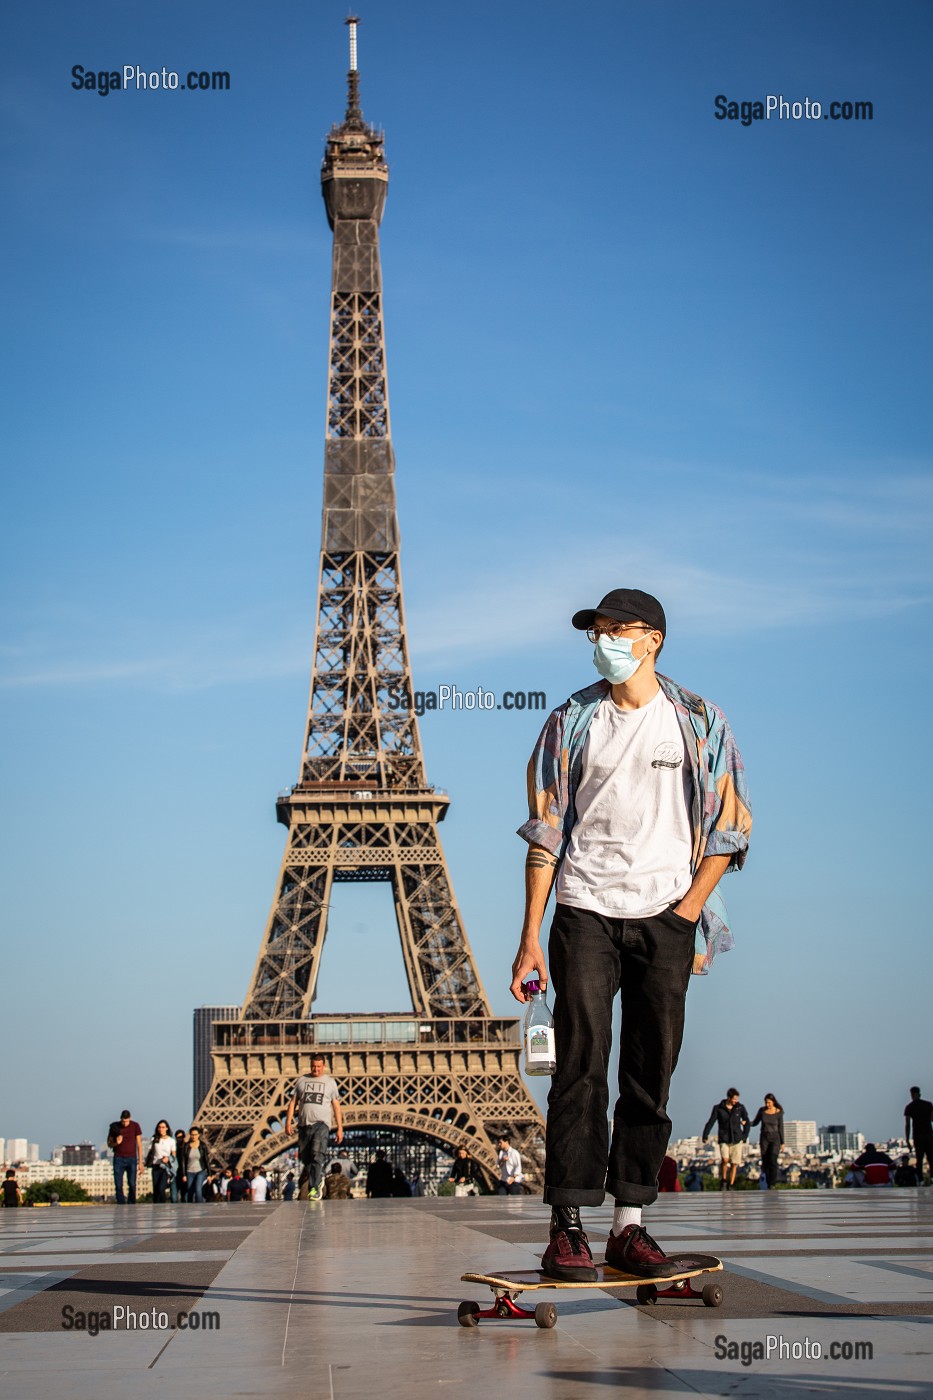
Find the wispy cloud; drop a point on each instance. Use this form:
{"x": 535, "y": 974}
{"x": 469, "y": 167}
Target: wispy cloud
{"x": 754, "y": 556}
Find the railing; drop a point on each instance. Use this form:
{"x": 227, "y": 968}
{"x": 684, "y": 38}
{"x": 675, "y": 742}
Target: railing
{"x": 366, "y": 1032}
{"x": 357, "y": 788}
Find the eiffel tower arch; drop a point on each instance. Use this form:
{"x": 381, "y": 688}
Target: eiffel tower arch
{"x": 362, "y": 809}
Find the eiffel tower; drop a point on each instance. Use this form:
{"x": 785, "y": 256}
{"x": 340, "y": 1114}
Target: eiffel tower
{"x": 448, "y": 1071}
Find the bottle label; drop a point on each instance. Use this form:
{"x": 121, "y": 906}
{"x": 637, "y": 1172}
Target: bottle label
{"x": 539, "y": 1045}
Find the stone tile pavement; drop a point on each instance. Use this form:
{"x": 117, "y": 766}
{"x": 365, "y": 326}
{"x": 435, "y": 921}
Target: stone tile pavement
{"x": 349, "y": 1300}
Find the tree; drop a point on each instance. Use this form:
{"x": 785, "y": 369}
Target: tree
{"x": 59, "y": 1186}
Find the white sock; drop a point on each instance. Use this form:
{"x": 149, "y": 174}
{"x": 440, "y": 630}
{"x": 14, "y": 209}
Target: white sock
{"x": 625, "y": 1215}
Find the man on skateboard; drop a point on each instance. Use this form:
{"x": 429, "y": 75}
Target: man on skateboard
{"x": 637, "y": 808}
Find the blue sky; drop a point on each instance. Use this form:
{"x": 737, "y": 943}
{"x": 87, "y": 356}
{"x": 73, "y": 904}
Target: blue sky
{"x": 628, "y": 344}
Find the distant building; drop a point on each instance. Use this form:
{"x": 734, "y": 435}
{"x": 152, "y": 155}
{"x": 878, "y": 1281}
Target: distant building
{"x": 16, "y": 1149}
{"x": 834, "y": 1138}
{"x": 684, "y": 1149}
{"x": 800, "y": 1135}
{"x": 2, "y": 1149}
{"x": 97, "y": 1178}
{"x": 79, "y": 1154}
{"x": 32, "y": 1152}
{"x": 204, "y": 1018}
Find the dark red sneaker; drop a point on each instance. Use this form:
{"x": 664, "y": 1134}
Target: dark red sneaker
{"x": 635, "y": 1252}
{"x": 568, "y": 1257}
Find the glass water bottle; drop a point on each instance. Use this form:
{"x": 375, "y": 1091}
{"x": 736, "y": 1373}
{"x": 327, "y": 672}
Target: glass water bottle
{"x": 540, "y": 1055}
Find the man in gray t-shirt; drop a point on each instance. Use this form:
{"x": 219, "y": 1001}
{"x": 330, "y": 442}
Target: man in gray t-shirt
{"x": 315, "y": 1098}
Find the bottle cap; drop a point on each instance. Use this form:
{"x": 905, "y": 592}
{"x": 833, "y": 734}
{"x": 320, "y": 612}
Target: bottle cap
{"x": 533, "y": 987}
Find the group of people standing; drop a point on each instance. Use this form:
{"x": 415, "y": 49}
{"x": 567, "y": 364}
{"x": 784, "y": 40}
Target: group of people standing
{"x": 180, "y": 1163}
{"x": 730, "y": 1116}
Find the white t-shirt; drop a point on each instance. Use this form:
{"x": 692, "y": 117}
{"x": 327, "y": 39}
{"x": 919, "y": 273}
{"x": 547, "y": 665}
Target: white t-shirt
{"x": 510, "y": 1164}
{"x": 164, "y": 1149}
{"x": 260, "y": 1188}
{"x": 629, "y": 852}
{"x": 315, "y": 1097}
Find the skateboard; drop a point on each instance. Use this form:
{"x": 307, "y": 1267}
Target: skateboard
{"x": 508, "y": 1286}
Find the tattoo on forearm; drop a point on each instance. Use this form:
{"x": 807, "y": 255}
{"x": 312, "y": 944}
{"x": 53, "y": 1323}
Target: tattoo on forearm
{"x": 540, "y": 860}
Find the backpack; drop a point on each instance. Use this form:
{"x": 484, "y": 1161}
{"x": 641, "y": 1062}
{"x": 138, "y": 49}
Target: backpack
{"x": 112, "y": 1134}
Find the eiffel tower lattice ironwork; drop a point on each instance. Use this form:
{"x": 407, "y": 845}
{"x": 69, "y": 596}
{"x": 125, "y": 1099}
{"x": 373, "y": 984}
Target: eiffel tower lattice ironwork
{"x": 362, "y": 810}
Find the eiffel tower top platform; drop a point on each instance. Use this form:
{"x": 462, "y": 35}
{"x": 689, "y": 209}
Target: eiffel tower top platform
{"x": 446, "y": 1072}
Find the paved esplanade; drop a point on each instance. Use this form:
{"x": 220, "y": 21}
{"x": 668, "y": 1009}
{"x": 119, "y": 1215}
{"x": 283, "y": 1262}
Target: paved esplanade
{"x": 358, "y": 1299}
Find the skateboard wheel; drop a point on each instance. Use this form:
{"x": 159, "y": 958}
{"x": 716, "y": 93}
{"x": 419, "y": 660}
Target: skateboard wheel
{"x": 712, "y": 1295}
{"x": 468, "y": 1314}
{"x": 546, "y": 1315}
{"x": 646, "y": 1293}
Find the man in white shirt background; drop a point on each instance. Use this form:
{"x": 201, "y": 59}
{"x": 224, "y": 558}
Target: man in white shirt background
{"x": 510, "y": 1168}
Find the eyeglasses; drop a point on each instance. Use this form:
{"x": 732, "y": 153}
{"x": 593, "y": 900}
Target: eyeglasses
{"x": 614, "y": 630}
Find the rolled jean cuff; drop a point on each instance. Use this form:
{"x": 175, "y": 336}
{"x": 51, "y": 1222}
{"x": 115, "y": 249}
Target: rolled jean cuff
{"x": 567, "y": 1196}
{"x": 632, "y": 1194}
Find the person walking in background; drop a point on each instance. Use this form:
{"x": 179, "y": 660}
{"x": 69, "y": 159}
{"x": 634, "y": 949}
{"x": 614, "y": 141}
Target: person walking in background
{"x": 315, "y": 1100}
{"x": 511, "y": 1175}
{"x": 918, "y": 1115}
{"x": 162, "y": 1160}
{"x": 637, "y": 806}
{"x": 259, "y": 1186}
{"x": 770, "y": 1117}
{"x": 731, "y": 1119}
{"x": 125, "y": 1140}
{"x": 288, "y": 1190}
{"x": 11, "y": 1194}
{"x": 194, "y": 1165}
{"x": 178, "y": 1185}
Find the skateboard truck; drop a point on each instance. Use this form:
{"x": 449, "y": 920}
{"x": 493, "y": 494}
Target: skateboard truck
{"x": 505, "y": 1306}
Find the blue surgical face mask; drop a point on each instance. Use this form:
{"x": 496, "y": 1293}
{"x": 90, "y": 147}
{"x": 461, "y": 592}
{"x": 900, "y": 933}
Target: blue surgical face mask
{"x": 613, "y": 658}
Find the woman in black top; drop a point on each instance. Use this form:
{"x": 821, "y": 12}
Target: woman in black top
{"x": 463, "y": 1172}
{"x": 771, "y": 1140}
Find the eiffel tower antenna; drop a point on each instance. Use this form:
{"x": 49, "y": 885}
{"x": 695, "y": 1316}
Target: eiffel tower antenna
{"x": 354, "y": 113}
{"x": 445, "y": 1074}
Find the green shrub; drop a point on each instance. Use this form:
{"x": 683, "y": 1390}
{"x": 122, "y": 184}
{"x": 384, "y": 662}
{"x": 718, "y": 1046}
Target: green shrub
{"x": 60, "y": 1186}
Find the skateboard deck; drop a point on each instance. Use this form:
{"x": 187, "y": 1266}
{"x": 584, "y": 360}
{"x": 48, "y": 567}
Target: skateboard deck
{"x": 508, "y": 1286}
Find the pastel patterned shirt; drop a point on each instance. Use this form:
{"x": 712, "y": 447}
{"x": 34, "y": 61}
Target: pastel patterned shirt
{"x": 720, "y": 814}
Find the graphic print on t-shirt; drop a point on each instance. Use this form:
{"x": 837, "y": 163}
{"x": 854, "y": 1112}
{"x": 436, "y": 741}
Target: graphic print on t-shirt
{"x": 668, "y": 755}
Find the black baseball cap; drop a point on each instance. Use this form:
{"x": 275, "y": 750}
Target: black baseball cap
{"x": 625, "y": 605}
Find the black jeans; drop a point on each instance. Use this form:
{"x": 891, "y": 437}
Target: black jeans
{"x": 592, "y": 958}
{"x": 312, "y": 1153}
{"x": 159, "y": 1184}
{"x": 770, "y": 1151}
{"x": 923, "y": 1147}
